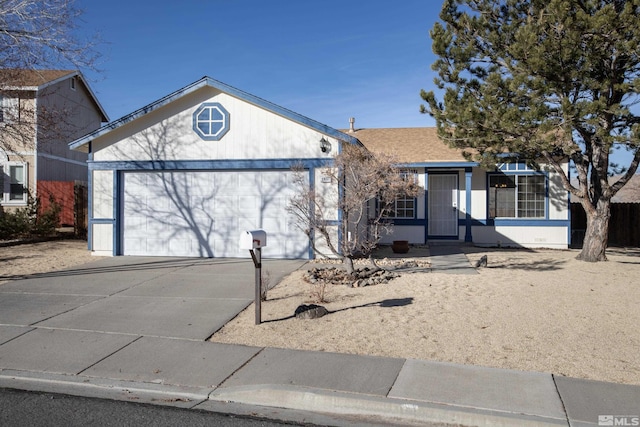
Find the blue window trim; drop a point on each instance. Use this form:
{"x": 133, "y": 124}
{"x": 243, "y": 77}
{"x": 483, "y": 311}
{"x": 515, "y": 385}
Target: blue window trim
{"x": 515, "y": 222}
{"x": 224, "y": 122}
{"x": 521, "y": 172}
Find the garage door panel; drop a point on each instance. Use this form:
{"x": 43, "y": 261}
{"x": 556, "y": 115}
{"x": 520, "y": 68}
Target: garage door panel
{"x": 203, "y": 205}
{"x": 201, "y": 214}
{"x": 248, "y": 203}
{"x": 223, "y": 205}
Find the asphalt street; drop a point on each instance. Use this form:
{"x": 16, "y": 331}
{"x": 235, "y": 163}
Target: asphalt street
{"x": 23, "y": 408}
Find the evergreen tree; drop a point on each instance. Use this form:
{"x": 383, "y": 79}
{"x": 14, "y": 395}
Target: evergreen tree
{"x": 545, "y": 80}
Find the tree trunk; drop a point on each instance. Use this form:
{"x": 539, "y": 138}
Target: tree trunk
{"x": 597, "y": 233}
{"x": 348, "y": 264}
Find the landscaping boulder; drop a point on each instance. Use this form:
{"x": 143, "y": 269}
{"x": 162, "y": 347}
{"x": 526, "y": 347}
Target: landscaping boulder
{"x": 311, "y": 311}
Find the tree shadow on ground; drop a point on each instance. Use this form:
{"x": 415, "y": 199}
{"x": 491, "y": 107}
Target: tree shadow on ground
{"x": 547, "y": 264}
{"x": 387, "y": 303}
{"x": 130, "y": 265}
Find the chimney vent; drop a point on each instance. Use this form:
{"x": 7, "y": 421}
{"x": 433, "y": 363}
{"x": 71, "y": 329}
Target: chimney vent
{"x": 352, "y": 121}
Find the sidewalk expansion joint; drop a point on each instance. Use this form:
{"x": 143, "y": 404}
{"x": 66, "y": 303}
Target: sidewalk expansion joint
{"x": 564, "y": 408}
{"x": 109, "y": 355}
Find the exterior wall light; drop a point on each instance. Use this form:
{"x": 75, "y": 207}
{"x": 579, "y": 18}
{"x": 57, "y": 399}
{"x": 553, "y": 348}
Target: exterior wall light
{"x": 325, "y": 145}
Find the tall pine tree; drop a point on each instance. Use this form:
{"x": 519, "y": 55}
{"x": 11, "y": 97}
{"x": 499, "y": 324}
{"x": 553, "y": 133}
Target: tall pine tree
{"x": 545, "y": 80}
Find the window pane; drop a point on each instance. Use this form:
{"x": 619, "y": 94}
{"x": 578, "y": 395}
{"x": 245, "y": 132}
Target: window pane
{"x": 204, "y": 115}
{"x": 16, "y": 192}
{"x": 216, "y": 127}
{"x": 216, "y": 114}
{"x": 204, "y": 128}
{"x": 502, "y": 196}
{"x": 531, "y": 192}
{"x": 402, "y": 208}
{"x": 16, "y": 182}
{"x": 16, "y": 173}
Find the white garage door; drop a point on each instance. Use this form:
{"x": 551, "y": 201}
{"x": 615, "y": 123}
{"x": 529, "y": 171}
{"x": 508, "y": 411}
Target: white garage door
{"x": 202, "y": 214}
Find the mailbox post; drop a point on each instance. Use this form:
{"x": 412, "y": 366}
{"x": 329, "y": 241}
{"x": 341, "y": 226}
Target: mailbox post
{"x": 254, "y": 241}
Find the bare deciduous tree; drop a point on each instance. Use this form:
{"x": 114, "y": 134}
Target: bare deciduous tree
{"x": 39, "y": 34}
{"x": 367, "y": 187}
{"x": 36, "y": 36}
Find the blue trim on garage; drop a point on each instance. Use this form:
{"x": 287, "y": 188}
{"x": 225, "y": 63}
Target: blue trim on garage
{"x": 90, "y": 208}
{"x": 312, "y": 186}
{"x": 116, "y": 212}
{"x": 118, "y": 231}
{"x": 194, "y": 165}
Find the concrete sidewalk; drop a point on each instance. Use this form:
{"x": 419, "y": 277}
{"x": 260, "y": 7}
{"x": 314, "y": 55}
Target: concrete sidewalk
{"x": 135, "y": 330}
{"x": 448, "y": 258}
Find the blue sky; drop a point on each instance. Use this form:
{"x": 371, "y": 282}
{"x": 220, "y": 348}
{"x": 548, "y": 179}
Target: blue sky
{"x": 327, "y": 60}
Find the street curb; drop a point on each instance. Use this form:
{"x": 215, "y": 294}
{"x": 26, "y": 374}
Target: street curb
{"x": 272, "y": 401}
{"x": 157, "y": 394}
{"x": 378, "y": 408}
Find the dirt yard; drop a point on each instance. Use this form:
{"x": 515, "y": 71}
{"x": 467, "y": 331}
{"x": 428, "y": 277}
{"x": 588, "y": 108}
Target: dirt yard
{"x": 21, "y": 260}
{"x": 529, "y": 310}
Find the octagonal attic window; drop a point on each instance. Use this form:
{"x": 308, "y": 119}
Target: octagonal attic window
{"x": 211, "y": 121}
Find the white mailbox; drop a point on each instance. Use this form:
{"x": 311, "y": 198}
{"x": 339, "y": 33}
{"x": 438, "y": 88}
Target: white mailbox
{"x": 253, "y": 239}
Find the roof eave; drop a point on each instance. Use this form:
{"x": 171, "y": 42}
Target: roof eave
{"x": 208, "y": 81}
{"x": 78, "y": 74}
{"x": 70, "y": 74}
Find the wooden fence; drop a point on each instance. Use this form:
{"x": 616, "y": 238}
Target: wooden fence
{"x": 72, "y": 198}
{"x": 624, "y": 225}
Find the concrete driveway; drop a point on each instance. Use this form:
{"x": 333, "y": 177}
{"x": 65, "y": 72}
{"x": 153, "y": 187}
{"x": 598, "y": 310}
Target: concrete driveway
{"x": 185, "y": 298}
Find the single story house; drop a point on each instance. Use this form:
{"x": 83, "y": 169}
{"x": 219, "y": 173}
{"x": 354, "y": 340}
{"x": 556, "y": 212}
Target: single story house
{"x": 185, "y": 175}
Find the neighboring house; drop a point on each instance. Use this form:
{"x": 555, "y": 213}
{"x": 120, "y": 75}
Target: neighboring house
{"x": 184, "y": 176}
{"x": 40, "y": 112}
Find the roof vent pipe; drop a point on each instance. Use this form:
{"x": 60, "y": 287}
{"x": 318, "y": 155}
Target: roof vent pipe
{"x": 352, "y": 121}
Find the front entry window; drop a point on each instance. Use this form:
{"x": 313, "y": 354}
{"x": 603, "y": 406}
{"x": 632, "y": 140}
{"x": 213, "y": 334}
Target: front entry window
{"x": 517, "y": 196}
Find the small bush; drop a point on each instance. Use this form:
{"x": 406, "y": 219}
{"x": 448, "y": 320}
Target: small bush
{"x": 48, "y": 219}
{"x": 29, "y": 222}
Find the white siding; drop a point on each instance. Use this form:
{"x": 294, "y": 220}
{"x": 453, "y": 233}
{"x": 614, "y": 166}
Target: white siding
{"x": 102, "y": 194}
{"x": 254, "y": 133}
{"x": 327, "y": 191}
{"x": 559, "y": 209}
{"x": 528, "y": 237}
{"x": 413, "y": 233}
{"x": 102, "y": 239}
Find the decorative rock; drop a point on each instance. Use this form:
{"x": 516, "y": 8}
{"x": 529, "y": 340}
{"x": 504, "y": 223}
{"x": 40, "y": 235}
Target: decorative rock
{"x": 311, "y": 311}
{"x": 482, "y": 262}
